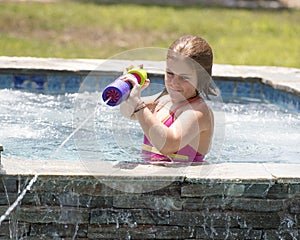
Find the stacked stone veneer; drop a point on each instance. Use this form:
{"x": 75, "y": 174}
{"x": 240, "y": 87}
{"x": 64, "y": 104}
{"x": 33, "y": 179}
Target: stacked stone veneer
{"x": 66, "y": 207}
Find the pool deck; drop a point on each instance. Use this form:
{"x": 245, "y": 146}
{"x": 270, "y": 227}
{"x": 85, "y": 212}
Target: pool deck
{"x": 237, "y": 172}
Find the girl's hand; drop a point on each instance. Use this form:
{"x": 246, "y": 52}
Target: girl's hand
{"x": 134, "y": 100}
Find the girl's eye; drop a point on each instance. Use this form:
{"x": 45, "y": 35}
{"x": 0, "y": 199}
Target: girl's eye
{"x": 185, "y": 78}
{"x": 181, "y": 77}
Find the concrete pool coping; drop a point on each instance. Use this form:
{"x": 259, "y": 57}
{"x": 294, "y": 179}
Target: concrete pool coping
{"x": 238, "y": 172}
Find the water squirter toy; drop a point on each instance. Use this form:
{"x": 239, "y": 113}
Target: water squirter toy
{"x": 119, "y": 90}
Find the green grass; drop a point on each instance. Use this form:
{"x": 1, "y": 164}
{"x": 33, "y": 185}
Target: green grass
{"x": 89, "y": 30}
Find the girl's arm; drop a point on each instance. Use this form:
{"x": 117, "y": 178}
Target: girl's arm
{"x": 168, "y": 140}
{"x": 127, "y": 109}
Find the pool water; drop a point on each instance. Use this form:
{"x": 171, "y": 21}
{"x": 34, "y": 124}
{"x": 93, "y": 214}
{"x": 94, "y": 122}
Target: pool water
{"x": 260, "y": 132}
{"x": 34, "y": 125}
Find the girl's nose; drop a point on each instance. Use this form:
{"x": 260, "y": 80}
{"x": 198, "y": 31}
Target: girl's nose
{"x": 176, "y": 80}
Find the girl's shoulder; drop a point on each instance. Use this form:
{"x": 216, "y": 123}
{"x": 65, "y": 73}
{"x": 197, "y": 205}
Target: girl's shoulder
{"x": 198, "y": 107}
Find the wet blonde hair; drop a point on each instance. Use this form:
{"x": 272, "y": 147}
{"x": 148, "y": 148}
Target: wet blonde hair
{"x": 198, "y": 50}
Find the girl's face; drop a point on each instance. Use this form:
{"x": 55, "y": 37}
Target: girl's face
{"x": 180, "y": 79}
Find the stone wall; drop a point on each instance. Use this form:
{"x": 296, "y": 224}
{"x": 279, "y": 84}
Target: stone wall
{"x": 66, "y": 207}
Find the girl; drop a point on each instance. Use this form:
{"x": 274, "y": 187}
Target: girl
{"x": 178, "y": 125}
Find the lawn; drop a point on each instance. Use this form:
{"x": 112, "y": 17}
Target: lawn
{"x": 77, "y": 29}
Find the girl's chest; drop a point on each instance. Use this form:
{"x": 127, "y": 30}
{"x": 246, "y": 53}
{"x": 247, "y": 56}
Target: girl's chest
{"x": 163, "y": 112}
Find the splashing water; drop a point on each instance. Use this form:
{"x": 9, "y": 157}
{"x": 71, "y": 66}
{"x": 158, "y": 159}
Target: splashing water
{"x": 35, "y": 177}
{"x": 255, "y": 131}
{"x": 19, "y": 198}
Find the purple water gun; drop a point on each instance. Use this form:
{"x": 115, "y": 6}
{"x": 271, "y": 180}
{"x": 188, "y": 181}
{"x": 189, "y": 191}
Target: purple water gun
{"x": 119, "y": 90}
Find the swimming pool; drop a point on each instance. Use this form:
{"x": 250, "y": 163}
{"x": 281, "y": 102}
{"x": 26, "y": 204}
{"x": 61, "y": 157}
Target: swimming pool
{"x": 255, "y": 130}
{"x": 250, "y": 190}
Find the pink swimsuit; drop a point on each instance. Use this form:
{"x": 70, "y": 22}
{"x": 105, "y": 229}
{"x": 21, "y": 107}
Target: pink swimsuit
{"x": 186, "y": 154}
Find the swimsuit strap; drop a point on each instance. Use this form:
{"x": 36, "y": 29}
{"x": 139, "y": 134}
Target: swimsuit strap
{"x": 190, "y": 100}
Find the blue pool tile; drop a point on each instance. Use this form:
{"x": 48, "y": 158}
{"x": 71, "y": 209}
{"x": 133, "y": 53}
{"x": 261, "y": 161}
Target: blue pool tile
{"x": 157, "y": 80}
{"x": 244, "y": 89}
{"x": 22, "y": 82}
{"x": 90, "y": 84}
{"x": 268, "y": 93}
{"x": 39, "y": 81}
{"x": 277, "y": 97}
{"x": 288, "y": 100}
{"x": 55, "y": 84}
{"x": 226, "y": 87}
{"x": 5, "y": 81}
{"x": 106, "y": 80}
{"x": 295, "y": 102}
{"x": 157, "y": 85}
{"x": 257, "y": 90}
{"x": 72, "y": 84}
{"x": 284, "y": 99}
{"x": 27, "y": 82}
